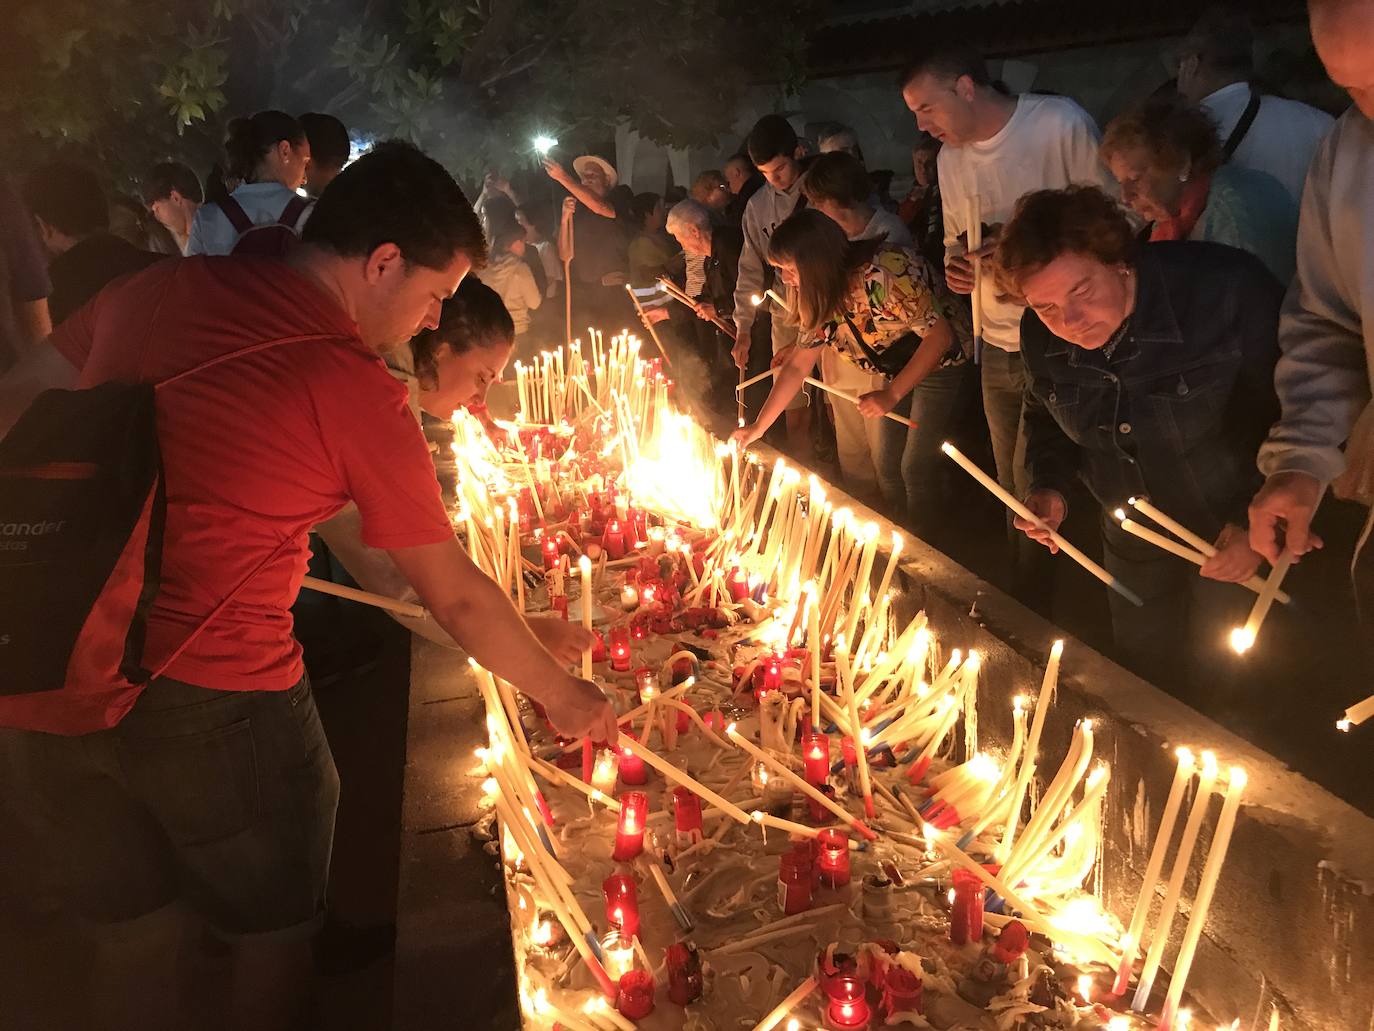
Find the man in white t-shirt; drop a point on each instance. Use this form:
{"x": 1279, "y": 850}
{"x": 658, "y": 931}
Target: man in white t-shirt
{"x": 1215, "y": 66}
{"x": 997, "y": 148}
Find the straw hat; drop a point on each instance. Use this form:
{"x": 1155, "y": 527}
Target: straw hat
{"x": 580, "y": 165}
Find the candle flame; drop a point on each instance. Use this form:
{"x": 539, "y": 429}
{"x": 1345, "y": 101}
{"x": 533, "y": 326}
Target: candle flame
{"x": 1119, "y": 514}
{"x": 1242, "y": 639}
{"x": 1085, "y": 987}
{"x": 1239, "y": 778}
{"x": 1209, "y": 763}
{"x": 1343, "y": 725}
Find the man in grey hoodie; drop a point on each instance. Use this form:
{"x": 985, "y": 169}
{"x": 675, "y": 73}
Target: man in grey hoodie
{"x": 773, "y": 147}
{"x": 1325, "y": 373}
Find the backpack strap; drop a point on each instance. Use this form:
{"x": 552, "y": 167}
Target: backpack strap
{"x": 177, "y": 652}
{"x": 233, "y": 211}
{"x": 291, "y": 214}
{"x": 1247, "y": 119}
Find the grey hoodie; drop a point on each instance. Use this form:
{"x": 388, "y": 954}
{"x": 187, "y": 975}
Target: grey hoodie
{"x": 766, "y": 209}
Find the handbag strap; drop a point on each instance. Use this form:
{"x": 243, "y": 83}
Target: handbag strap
{"x": 1247, "y": 119}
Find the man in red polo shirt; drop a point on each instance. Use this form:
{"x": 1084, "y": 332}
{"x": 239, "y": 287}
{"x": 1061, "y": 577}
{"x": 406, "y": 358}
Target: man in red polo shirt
{"x": 217, "y": 785}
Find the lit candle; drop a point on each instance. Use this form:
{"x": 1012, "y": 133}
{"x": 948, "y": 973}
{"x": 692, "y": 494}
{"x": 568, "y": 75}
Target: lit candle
{"x": 631, "y": 768}
{"x": 816, "y": 758}
{"x": 620, "y": 649}
{"x": 550, "y": 550}
{"x": 629, "y": 597}
{"x": 617, "y": 954}
{"x": 833, "y": 857}
{"x": 622, "y": 903}
{"x": 737, "y": 584}
{"x": 646, "y": 680}
{"x": 605, "y": 769}
{"x": 1183, "y": 773}
{"x": 657, "y": 538}
{"x": 847, "y": 1007}
{"x": 613, "y": 540}
{"x": 1243, "y": 638}
{"x": 1356, "y": 714}
{"x": 1202, "y": 901}
{"x": 584, "y": 567}
{"x": 629, "y": 832}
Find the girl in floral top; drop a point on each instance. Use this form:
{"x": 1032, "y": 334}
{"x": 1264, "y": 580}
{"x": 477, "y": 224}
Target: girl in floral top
{"x": 875, "y": 305}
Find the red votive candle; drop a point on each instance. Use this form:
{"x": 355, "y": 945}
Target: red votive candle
{"x": 966, "y": 914}
{"x": 816, "y": 758}
{"x": 714, "y": 720}
{"x": 631, "y": 768}
{"x": 635, "y": 999}
{"x": 846, "y": 1006}
{"x": 851, "y": 760}
{"x": 903, "y": 992}
{"x": 550, "y": 552}
{"x": 560, "y": 605}
{"x": 686, "y": 817}
{"x": 622, "y": 903}
{"x": 620, "y": 649}
{"x": 598, "y": 645}
{"x": 629, "y": 833}
{"x": 794, "y": 881}
{"x": 613, "y": 540}
{"x": 833, "y": 859}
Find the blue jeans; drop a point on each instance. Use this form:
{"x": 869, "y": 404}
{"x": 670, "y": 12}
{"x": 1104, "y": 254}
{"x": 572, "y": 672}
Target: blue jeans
{"x": 908, "y": 458}
{"x": 223, "y": 798}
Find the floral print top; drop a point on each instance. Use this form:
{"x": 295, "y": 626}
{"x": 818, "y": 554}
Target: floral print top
{"x": 895, "y": 298}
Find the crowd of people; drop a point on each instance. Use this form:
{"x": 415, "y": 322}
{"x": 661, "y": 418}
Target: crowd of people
{"x": 1170, "y": 308}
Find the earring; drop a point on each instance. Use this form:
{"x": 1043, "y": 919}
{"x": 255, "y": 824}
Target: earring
{"x": 1183, "y": 177}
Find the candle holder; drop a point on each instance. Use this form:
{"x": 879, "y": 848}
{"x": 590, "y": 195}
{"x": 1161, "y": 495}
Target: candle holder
{"x": 617, "y": 954}
{"x": 686, "y": 816}
{"x": 820, "y": 813}
{"x": 629, "y": 833}
{"x": 622, "y": 903}
{"x": 846, "y": 1006}
{"x": 632, "y": 770}
{"x": 794, "y": 881}
{"x": 635, "y": 999}
{"x": 833, "y": 859}
{"x": 966, "y": 910}
{"x": 605, "y": 767}
{"x": 684, "y": 973}
{"x": 646, "y": 680}
{"x": 620, "y": 649}
{"x": 903, "y": 992}
{"x": 737, "y": 584}
{"x": 629, "y": 597}
{"x": 550, "y": 552}
{"x": 851, "y": 762}
{"x": 599, "y": 642}
{"x": 613, "y": 540}
{"x": 816, "y": 758}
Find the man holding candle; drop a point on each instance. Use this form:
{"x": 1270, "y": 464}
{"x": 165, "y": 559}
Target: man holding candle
{"x": 1149, "y": 375}
{"x": 994, "y": 149}
{"x": 214, "y": 780}
{"x": 1326, "y": 373}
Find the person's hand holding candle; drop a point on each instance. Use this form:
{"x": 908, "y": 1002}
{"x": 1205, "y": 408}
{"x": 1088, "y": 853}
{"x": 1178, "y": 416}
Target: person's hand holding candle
{"x": 580, "y": 709}
{"x": 565, "y": 641}
{"x": 877, "y": 403}
{"x": 1235, "y": 561}
{"x": 1050, "y": 508}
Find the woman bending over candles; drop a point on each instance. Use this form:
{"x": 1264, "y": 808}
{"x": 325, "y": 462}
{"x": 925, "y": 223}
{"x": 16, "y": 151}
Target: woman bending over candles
{"x": 1150, "y": 373}
{"x": 873, "y": 303}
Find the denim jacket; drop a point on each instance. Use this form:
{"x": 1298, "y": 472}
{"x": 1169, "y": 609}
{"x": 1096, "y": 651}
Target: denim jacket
{"x": 1180, "y": 408}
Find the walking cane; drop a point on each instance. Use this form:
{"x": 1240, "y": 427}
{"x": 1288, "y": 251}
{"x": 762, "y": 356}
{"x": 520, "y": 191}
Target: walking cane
{"x": 565, "y": 251}
{"x": 639, "y": 308}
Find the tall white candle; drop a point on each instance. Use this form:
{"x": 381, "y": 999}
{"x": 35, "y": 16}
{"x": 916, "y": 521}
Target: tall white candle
{"x": 1042, "y": 706}
{"x": 1202, "y": 901}
{"x": 1243, "y": 638}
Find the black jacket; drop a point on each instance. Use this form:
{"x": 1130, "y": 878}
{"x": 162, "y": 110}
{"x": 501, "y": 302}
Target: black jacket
{"x": 722, "y": 268}
{"x": 82, "y": 271}
{"x": 1177, "y": 413}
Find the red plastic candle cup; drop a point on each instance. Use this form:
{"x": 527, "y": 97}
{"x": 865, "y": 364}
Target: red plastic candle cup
{"x": 816, "y": 758}
{"x": 966, "y": 913}
{"x": 714, "y": 720}
{"x": 622, "y": 903}
{"x": 846, "y": 1006}
{"x": 737, "y": 584}
{"x": 635, "y": 1000}
{"x": 684, "y": 973}
{"x": 629, "y": 832}
{"x": 794, "y": 882}
{"x": 686, "y": 816}
{"x": 560, "y": 605}
{"x": 631, "y": 768}
{"x": 834, "y": 857}
{"x": 903, "y": 992}
{"x": 851, "y": 760}
{"x": 613, "y": 540}
{"x": 620, "y": 649}
{"x": 550, "y": 552}
{"x": 684, "y": 722}
{"x": 821, "y": 813}
{"x": 598, "y": 646}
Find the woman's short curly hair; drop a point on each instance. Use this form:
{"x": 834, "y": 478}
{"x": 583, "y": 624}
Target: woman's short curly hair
{"x": 1049, "y": 223}
{"x": 1174, "y": 133}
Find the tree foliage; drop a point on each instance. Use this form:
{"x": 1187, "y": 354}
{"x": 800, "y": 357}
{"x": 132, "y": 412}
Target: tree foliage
{"x": 129, "y": 82}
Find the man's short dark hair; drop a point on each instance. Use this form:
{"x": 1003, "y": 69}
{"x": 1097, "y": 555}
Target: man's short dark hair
{"x": 67, "y": 197}
{"x": 397, "y": 194}
{"x": 329, "y": 143}
{"x": 741, "y": 159}
{"x": 162, "y": 179}
{"x": 1223, "y": 40}
{"x": 772, "y": 136}
{"x": 946, "y": 60}
{"x": 839, "y": 177}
